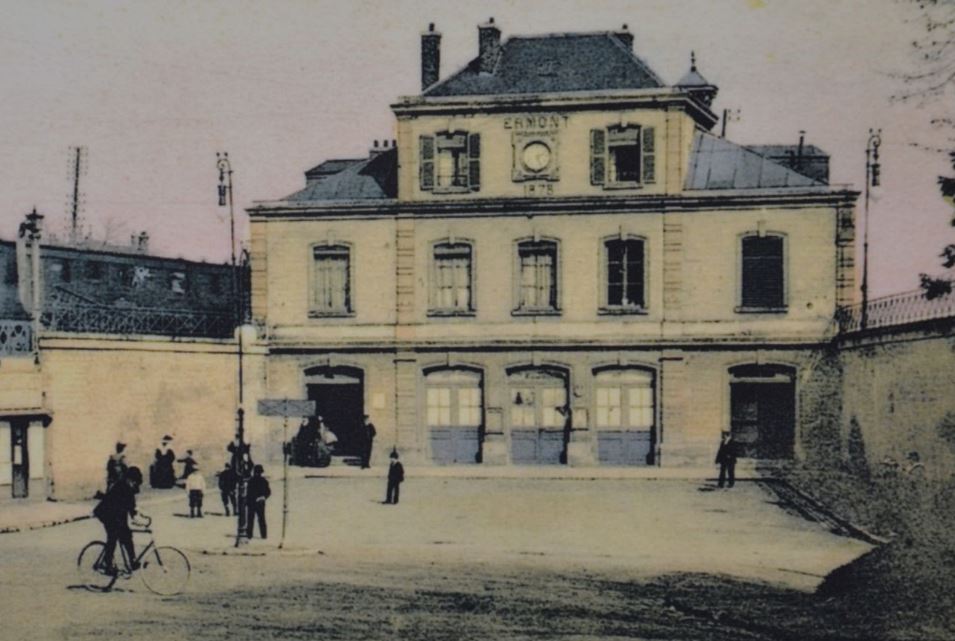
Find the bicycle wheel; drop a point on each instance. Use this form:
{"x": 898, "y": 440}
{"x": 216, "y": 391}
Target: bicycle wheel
{"x": 92, "y": 569}
{"x": 165, "y": 570}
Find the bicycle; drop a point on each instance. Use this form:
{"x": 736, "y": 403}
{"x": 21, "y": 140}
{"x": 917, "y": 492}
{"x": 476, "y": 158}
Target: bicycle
{"x": 164, "y": 569}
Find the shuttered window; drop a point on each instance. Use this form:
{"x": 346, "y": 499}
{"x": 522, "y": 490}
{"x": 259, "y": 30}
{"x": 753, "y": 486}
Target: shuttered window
{"x": 450, "y": 162}
{"x": 623, "y": 156}
{"x": 762, "y": 286}
{"x": 330, "y": 280}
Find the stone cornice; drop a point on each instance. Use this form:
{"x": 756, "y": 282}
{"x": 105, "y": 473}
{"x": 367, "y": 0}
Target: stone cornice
{"x": 660, "y": 97}
{"x": 577, "y": 205}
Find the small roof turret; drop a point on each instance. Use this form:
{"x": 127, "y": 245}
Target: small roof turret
{"x": 698, "y": 86}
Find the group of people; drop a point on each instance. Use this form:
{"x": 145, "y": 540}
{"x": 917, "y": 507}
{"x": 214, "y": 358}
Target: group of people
{"x": 315, "y": 442}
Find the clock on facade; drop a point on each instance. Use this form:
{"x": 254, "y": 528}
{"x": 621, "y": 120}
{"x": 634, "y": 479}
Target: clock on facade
{"x": 536, "y": 156}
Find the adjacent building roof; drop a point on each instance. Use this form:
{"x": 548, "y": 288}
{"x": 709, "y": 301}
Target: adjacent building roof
{"x": 808, "y": 160}
{"x": 553, "y": 63}
{"x": 716, "y": 163}
{"x": 375, "y": 177}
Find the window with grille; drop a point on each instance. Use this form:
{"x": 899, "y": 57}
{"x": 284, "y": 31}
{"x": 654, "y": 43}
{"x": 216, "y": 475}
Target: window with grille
{"x": 331, "y": 293}
{"x": 451, "y": 287}
{"x": 625, "y": 271}
{"x": 537, "y": 276}
{"x": 762, "y": 286}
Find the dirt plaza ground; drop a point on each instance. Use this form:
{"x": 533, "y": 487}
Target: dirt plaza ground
{"x": 457, "y": 559}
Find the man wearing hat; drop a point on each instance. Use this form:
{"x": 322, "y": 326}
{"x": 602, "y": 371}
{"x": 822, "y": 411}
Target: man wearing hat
{"x": 117, "y": 504}
{"x": 116, "y": 465}
{"x": 396, "y": 474}
{"x": 162, "y": 473}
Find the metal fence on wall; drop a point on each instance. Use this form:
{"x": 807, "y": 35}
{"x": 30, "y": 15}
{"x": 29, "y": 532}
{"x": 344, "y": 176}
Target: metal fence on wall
{"x": 15, "y": 338}
{"x": 898, "y": 309}
{"x": 104, "y": 319}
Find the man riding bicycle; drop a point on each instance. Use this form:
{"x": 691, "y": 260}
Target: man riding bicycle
{"x": 116, "y": 505}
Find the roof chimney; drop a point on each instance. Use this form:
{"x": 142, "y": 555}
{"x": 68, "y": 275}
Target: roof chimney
{"x": 489, "y": 46}
{"x": 430, "y": 57}
{"x": 625, "y": 37}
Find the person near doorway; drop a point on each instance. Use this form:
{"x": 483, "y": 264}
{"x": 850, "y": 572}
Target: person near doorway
{"x": 258, "y": 492}
{"x": 116, "y": 506}
{"x": 196, "y": 489}
{"x": 162, "y": 474}
{"x": 306, "y": 442}
{"x": 189, "y": 465}
{"x": 368, "y": 433}
{"x": 327, "y": 436}
{"x": 227, "y": 483}
{"x": 396, "y": 475}
{"x": 116, "y": 466}
{"x": 726, "y": 457}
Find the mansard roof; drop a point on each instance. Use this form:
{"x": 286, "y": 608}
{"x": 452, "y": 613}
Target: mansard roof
{"x": 369, "y": 178}
{"x": 553, "y": 63}
{"x": 716, "y": 163}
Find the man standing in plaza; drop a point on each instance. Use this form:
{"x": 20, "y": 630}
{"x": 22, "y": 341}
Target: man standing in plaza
{"x": 258, "y": 492}
{"x": 368, "y": 441}
{"x": 726, "y": 458}
{"x": 396, "y": 475}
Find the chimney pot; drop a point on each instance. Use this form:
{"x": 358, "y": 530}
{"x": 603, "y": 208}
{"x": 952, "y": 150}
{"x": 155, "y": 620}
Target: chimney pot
{"x": 430, "y": 57}
{"x": 376, "y": 143}
{"x": 625, "y": 37}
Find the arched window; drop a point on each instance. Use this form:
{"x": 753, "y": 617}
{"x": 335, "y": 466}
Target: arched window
{"x": 452, "y": 279}
{"x": 624, "y": 274}
{"x": 762, "y": 277}
{"x": 331, "y": 288}
{"x": 537, "y": 276}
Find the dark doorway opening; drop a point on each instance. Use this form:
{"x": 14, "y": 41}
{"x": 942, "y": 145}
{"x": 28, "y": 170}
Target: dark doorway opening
{"x": 763, "y": 411}
{"x": 339, "y": 397}
{"x": 20, "y": 458}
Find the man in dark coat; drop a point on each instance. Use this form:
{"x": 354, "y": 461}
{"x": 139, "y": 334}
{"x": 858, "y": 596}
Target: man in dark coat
{"x": 368, "y": 441}
{"x": 396, "y": 475}
{"x": 117, "y": 504}
{"x": 227, "y": 483}
{"x": 116, "y": 466}
{"x": 726, "y": 458}
{"x": 258, "y": 492}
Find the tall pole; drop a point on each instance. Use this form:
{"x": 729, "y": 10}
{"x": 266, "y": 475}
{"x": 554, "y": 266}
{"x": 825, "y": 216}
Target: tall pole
{"x": 240, "y": 462}
{"x": 872, "y": 178}
{"x": 31, "y": 229}
{"x": 285, "y": 454}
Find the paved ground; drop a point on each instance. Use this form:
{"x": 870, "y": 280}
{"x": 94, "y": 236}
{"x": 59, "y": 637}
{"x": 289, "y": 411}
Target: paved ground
{"x": 458, "y": 558}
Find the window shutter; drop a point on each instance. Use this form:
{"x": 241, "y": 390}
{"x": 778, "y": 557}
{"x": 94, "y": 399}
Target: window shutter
{"x": 426, "y": 162}
{"x": 649, "y": 156}
{"x": 474, "y": 162}
{"x": 598, "y": 144}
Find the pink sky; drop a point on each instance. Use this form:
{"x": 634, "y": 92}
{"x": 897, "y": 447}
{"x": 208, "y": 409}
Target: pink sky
{"x": 153, "y": 90}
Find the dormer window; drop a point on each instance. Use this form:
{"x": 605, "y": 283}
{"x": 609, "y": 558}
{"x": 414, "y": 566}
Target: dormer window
{"x": 622, "y": 156}
{"x": 450, "y": 161}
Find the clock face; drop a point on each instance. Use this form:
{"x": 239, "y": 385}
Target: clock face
{"x": 536, "y": 156}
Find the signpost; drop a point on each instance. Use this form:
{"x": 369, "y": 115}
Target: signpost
{"x": 285, "y": 407}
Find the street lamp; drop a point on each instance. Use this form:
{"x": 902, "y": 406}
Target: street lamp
{"x": 31, "y": 229}
{"x": 873, "y": 174}
{"x": 240, "y": 462}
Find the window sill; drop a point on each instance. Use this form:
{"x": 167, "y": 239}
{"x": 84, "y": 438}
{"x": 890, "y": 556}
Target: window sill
{"x": 633, "y": 185}
{"x": 451, "y": 313}
{"x": 330, "y": 314}
{"x": 622, "y": 311}
{"x": 450, "y": 190}
{"x": 536, "y": 312}
{"x": 761, "y": 310}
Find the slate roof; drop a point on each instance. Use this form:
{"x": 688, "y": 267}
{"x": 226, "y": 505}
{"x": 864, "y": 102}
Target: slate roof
{"x": 781, "y": 150}
{"x": 553, "y": 63}
{"x": 330, "y": 167}
{"x": 375, "y": 177}
{"x": 716, "y": 163}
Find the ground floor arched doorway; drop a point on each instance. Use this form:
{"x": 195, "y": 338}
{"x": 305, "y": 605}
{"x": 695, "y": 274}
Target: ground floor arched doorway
{"x": 339, "y": 395}
{"x": 763, "y": 410}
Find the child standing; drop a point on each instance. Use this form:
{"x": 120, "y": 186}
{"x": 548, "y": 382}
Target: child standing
{"x": 196, "y": 487}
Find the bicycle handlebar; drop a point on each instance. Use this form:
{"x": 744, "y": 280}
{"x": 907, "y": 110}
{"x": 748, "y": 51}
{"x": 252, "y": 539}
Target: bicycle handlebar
{"x": 142, "y": 520}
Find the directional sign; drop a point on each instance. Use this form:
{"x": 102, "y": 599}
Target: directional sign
{"x": 286, "y": 407}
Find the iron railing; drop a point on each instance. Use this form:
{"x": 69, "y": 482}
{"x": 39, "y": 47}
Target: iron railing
{"x": 105, "y": 319}
{"x": 898, "y": 309}
{"x": 15, "y": 338}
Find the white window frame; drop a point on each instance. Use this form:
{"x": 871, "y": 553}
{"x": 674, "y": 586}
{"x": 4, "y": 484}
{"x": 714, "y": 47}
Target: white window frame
{"x": 521, "y": 306}
{"x": 317, "y": 307}
{"x": 448, "y": 247}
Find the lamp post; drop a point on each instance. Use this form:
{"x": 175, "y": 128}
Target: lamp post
{"x": 240, "y": 460}
{"x": 873, "y": 173}
{"x": 31, "y": 229}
